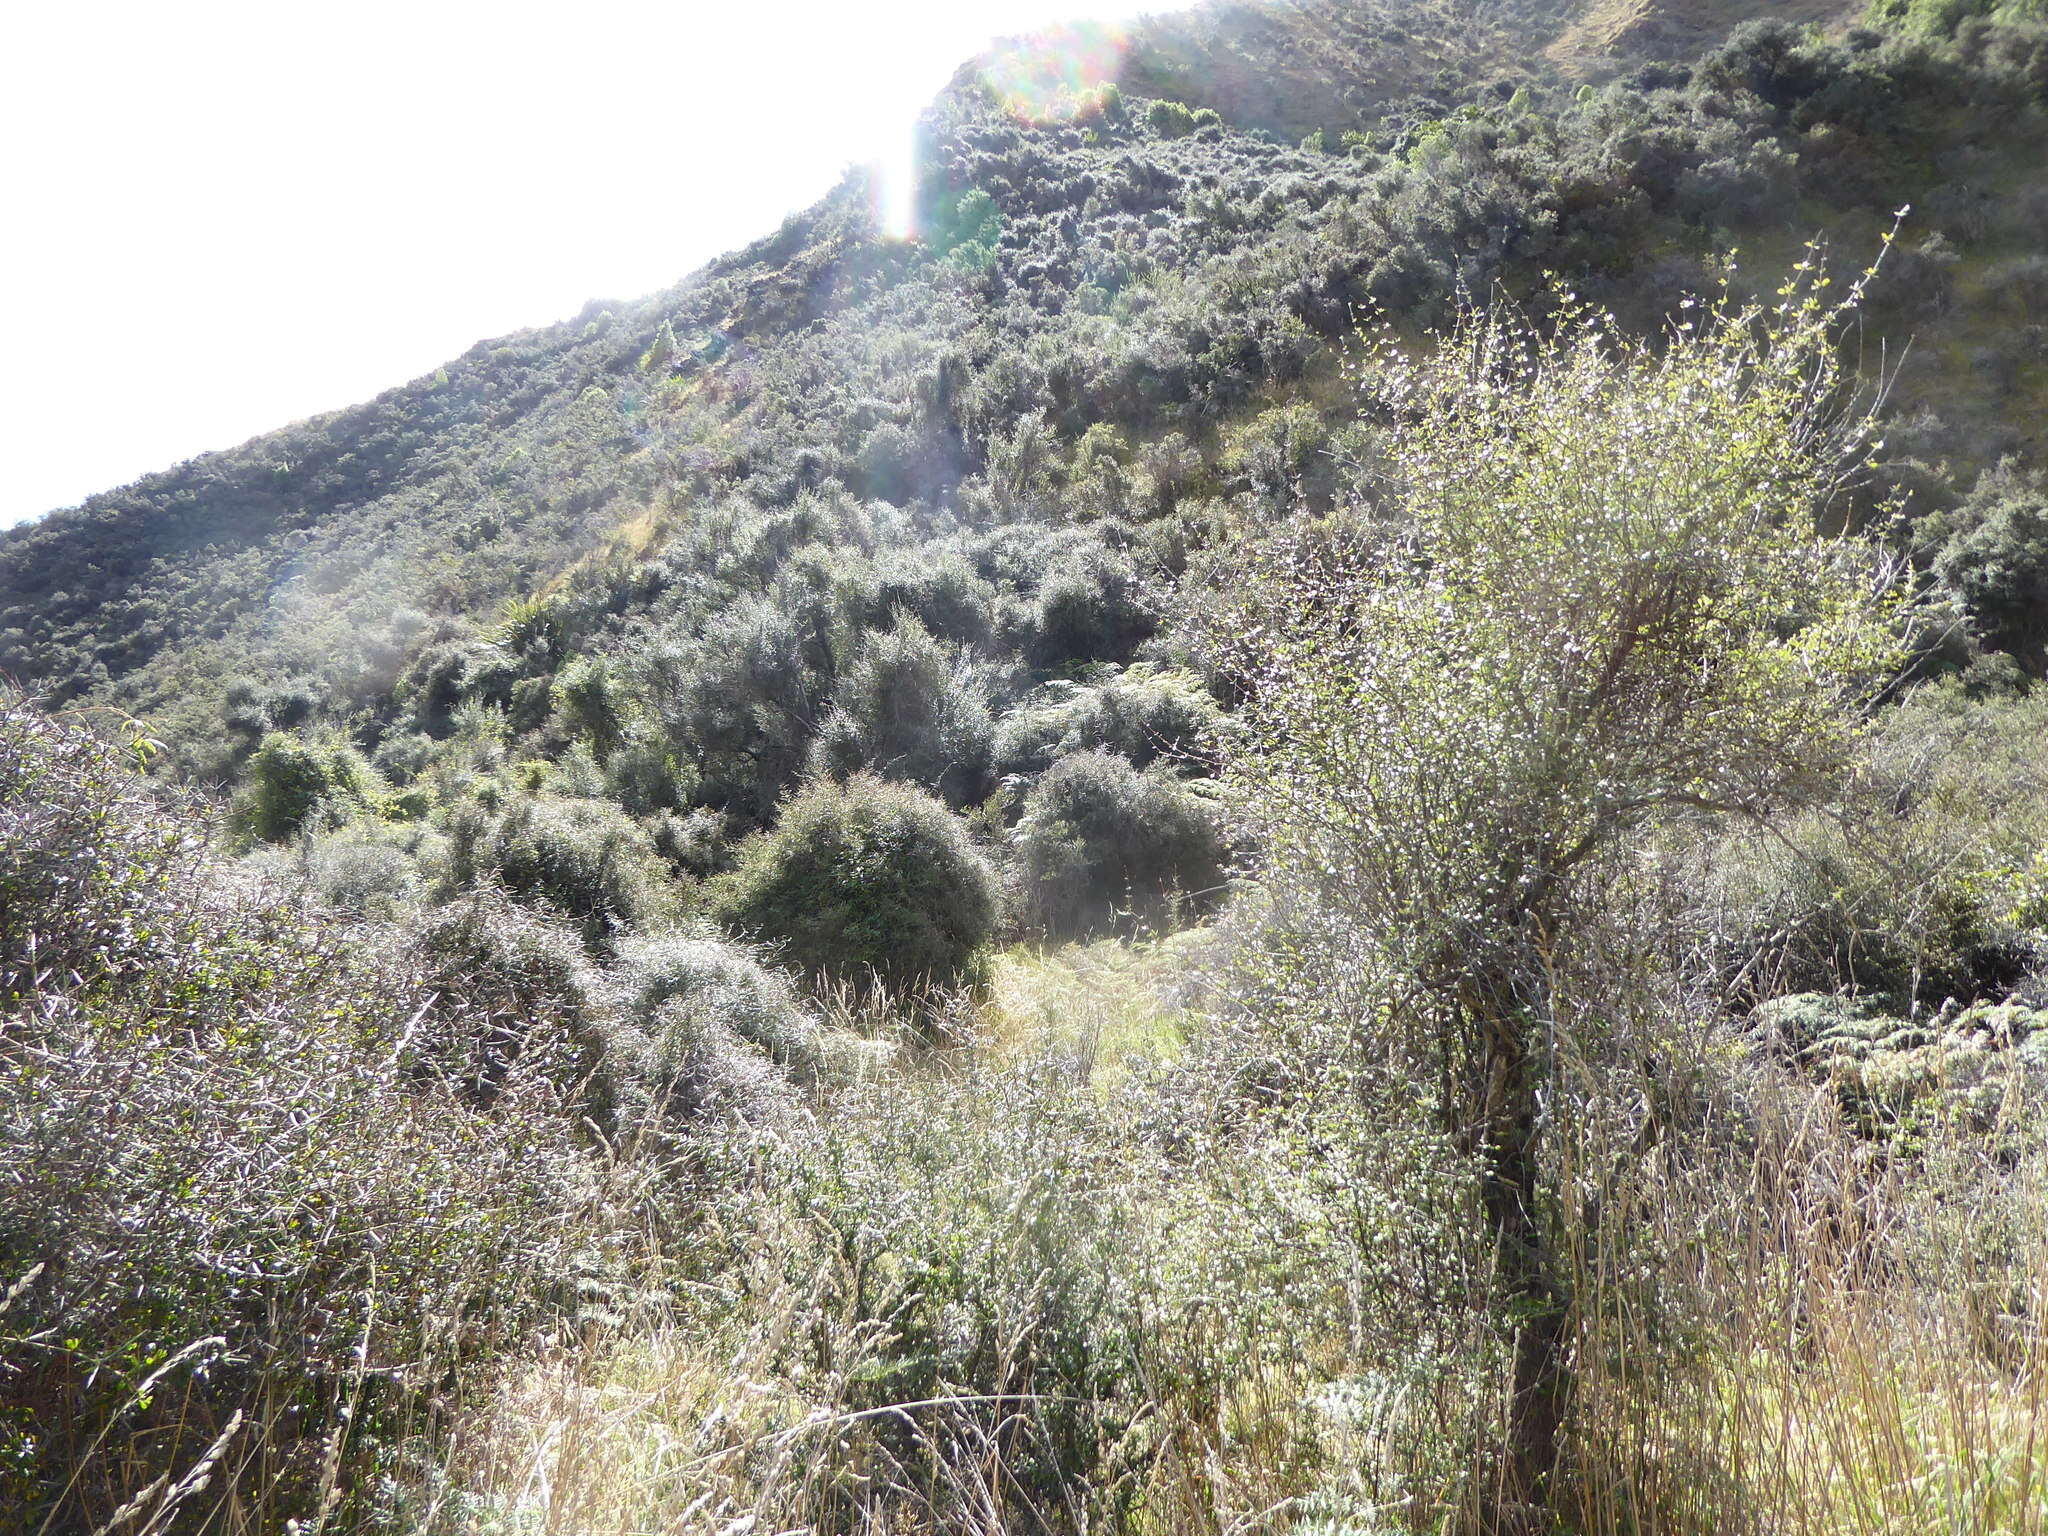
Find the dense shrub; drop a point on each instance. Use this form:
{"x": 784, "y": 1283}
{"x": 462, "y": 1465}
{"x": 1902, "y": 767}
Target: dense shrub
{"x": 1995, "y": 559}
{"x": 1170, "y": 119}
{"x": 713, "y": 980}
{"x": 250, "y": 711}
{"x": 962, "y": 1245}
{"x": 1104, "y": 848}
{"x": 864, "y": 883}
{"x": 291, "y": 781}
{"x": 905, "y": 709}
{"x": 739, "y": 707}
{"x": 941, "y": 590}
{"x": 1916, "y": 885}
{"x": 1141, "y": 714}
{"x": 80, "y": 850}
{"x": 585, "y": 858}
{"x": 359, "y": 873}
{"x": 587, "y": 698}
{"x": 714, "y": 1030}
{"x": 1092, "y": 608}
{"x": 247, "y": 1222}
{"x": 511, "y": 987}
{"x": 1942, "y": 17}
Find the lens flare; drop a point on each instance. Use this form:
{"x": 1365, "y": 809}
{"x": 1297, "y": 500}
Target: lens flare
{"x": 1058, "y": 74}
{"x": 893, "y": 190}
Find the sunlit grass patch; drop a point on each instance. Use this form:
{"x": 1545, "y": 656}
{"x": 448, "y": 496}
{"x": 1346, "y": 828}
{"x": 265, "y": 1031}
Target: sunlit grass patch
{"x": 1114, "y": 1004}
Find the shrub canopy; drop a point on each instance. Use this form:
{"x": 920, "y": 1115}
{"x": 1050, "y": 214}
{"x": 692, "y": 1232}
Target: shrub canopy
{"x": 865, "y": 882}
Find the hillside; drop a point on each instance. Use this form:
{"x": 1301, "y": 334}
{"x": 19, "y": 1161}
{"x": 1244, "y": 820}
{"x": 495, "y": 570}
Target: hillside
{"x": 1330, "y": 818}
{"x": 329, "y": 551}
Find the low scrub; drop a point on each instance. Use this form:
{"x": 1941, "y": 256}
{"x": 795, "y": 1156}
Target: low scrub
{"x": 251, "y": 1224}
{"x": 1103, "y": 848}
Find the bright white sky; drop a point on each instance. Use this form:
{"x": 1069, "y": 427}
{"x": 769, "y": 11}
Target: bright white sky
{"x": 224, "y": 216}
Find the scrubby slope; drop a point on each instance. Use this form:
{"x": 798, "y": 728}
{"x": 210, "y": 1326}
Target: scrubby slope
{"x": 331, "y": 549}
{"x": 606, "y": 1061}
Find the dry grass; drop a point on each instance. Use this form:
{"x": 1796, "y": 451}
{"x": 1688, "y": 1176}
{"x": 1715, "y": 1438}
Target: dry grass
{"x": 1823, "y": 1336}
{"x": 1862, "y": 1352}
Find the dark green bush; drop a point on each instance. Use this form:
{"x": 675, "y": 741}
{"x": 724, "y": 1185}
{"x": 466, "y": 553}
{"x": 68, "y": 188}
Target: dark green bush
{"x": 986, "y": 1231}
{"x": 403, "y": 756}
{"x": 1092, "y": 608}
{"x": 1915, "y": 886}
{"x": 698, "y": 843}
{"x": 585, "y": 858}
{"x": 291, "y": 779}
{"x": 1141, "y": 714}
{"x": 361, "y": 873}
{"x": 1996, "y": 561}
{"x": 740, "y": 706}
{"x": 718, "y": 982}
{"x": 251, "y": 711}
{"x": 80, "y": 849}
{"x": 941, "y": 590}
{"x": 861, "y": 883}
{"x": 1941, "y": 18}
{"x": 1104, "y": 848}
{"x": 589, "y": 701}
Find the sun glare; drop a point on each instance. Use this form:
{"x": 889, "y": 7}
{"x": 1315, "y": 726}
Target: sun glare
{"x": 1059, "y": 73}
{"x": 896, "y": 189}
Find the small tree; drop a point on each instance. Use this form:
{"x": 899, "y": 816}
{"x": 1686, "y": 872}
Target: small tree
{"x": 1601, "y": 601}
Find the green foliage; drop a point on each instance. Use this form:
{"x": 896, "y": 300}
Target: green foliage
{"x": 79, "y": 850}
{"x": 599, "y": 598}
{"x": 864, "y": 883}
{"x": 1103, "y": 848}
{"x": 1600, "y": 602}
{"x": 248, "y": 1218}
{"x": 1282, "y": 454}
{"x": 1896, "y": 1078}
{"x": 362, "y": 869}
{"x": 1170, "y": 119}
{"x": 1940, "y": 18}
{"x": 1144, "y": 714}
{"x": 584, "y": 858}
{"x": 1090, "y": 609}
{"x": 905, "y": 709}
{"x": 966, "y": 229}
{"x": 662, "y": 352}
{"x": 704, "y": 1028}
{"x": 1994, "y": 557}
{"x": 587, "y": 698}
{"x": 1606, "y": 602}
{"x": 1915, "y": 884}
{"x": 294, "y": 782}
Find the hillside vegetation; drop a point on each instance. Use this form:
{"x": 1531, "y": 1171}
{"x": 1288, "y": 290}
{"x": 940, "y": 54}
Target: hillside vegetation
{"x": 1332, "y": 817}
